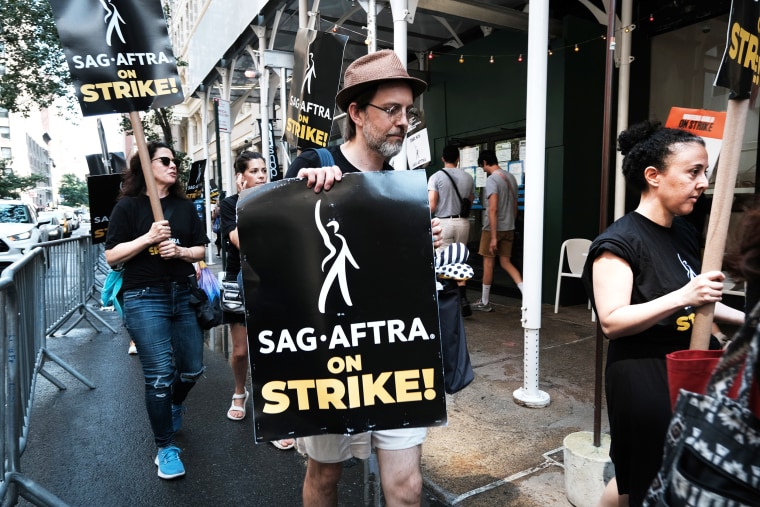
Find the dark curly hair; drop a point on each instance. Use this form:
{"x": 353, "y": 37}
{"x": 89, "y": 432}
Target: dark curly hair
{"x": 649, "y": 144}
{"x": 134, "y": 185}
{"x": 241, "y": 162}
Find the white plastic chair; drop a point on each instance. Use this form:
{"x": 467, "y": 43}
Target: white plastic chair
{"x": 576, "y": 250}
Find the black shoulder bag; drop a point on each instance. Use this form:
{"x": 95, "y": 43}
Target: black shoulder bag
{"x": 208, "y": 313}
{"x": 466, "y": 205}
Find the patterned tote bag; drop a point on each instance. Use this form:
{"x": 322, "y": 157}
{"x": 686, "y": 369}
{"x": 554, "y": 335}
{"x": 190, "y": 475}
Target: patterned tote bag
{"x": 712, "y": 448}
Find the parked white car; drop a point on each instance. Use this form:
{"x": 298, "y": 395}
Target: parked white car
{"x": 19, "y": 230}
{"x": 56, "y": 224}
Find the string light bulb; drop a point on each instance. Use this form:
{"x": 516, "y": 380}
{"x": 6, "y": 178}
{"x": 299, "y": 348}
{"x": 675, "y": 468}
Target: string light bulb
{"x": 461, "y": 58}
{"x": 520, "y": 58}
{"x": 551, "y": 52}
{"x": 651, "y": 18}
{"x": 627, "y": 29}
{"x": 430, "y": 55}
{"x": 335, "y": 29}
{"x": 576, "y": 48}
{"x": 491, "y": 60}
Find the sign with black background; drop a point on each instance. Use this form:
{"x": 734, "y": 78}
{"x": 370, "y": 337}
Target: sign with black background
{"x": 102, "y": 191}
{"x": 738, "y": 69}
{"x": 340, "y": 290}
{"x": 119, "y": 54}
{"x": 318, "y": 63}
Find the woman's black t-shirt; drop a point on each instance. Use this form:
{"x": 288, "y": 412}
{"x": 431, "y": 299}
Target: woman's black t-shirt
{"x": 132, "y": 217}
{"x": 662, "y": 259}
{"x": 229, "y": 222}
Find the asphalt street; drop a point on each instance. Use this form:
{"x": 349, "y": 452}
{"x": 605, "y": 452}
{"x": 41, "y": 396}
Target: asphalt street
{"x": 94, "y": 447}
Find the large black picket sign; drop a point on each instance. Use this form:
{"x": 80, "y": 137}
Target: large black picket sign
{"x": 738, "y": 69}
{"x": 119, "y": 54}
{"x": 367, "y": 357}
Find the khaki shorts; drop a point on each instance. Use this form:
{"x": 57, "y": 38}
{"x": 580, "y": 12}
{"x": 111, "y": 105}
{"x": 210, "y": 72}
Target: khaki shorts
{"x": 454, "y": 230}
{"x": 337, "y": 448}
{"x": 504, "y": 240}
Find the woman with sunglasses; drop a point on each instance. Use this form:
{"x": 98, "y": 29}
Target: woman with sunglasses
{"x": 158, "y": 258}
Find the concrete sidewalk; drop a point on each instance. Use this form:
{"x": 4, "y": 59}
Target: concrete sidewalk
{"x": 494, "y": 451}
{"x": 94, "y": 447}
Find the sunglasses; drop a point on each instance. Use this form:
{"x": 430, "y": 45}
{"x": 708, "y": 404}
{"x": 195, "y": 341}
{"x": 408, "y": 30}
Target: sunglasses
{"x": 165, "y": 160}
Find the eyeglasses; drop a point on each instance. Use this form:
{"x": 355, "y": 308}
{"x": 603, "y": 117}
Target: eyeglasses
{"x": 394, "y": 112}
{"x": 165, "y": 160}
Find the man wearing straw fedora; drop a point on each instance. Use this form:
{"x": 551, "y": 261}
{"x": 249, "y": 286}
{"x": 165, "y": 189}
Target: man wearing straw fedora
{"x": 377, "y": 97}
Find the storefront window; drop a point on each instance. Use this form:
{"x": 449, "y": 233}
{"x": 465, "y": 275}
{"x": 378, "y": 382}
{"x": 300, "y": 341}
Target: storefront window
{"x": 684, "y": 65}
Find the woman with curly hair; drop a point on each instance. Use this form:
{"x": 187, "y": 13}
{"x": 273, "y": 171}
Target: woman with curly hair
{"x": 642, "y": 275}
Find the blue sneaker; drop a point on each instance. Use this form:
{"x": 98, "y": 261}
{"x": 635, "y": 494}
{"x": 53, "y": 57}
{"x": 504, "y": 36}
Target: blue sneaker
{"x": 169, "y": 464}
{"x": 177, "y": 412}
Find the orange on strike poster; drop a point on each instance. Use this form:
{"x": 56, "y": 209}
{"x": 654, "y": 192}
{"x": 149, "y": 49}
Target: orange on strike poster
{"x": 703, "y": 123}
{"x": 699, "y": 122}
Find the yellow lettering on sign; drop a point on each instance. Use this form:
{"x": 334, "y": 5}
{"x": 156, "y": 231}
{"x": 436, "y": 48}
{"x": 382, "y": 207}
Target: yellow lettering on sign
{"x": 356, "y": 391}
{"x": 117, "y": 90}
{"x": 744, "y": 49}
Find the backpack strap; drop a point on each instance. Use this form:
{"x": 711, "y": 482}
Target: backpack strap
{"x": 325, "y": 157}
{"x": 453, "y": 183}
{"x": 461, "y": 201}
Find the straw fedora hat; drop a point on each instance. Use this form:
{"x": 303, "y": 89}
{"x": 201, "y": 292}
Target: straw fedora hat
{"x": 372, "y": 69}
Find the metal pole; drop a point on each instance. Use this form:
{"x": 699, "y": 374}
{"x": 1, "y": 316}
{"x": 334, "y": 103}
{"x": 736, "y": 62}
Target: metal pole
{"x": 535, "y": 133}
{"x": 218, "y": 150}
{"x": 104, "y": 148}
{"x": 400, "y": 10}
{"x": 604, "y": 195}
{"x": 371, "y": 26}
{"x": 624, "y": 85}
{"x": 261, "y": 33}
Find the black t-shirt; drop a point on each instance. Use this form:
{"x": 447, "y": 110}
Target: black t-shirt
{"x": 132, "y": 217}
{"x": 310, "y": 158}
{"x": 663, "y": 259}
{"x": 229, "y": 222}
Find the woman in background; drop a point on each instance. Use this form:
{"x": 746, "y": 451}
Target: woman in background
{"x": 250, "y": 172}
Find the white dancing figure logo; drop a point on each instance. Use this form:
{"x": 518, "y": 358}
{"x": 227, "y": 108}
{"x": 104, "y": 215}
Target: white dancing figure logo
{"x": 311, "y": 72}
{"x": 113, "y": 20}
{"x": 337, "y": 270}
{"x": 689, "y": 270}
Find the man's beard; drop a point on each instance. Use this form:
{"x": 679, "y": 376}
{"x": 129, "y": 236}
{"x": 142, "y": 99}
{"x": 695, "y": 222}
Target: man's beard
{"x": 380, "y": 144}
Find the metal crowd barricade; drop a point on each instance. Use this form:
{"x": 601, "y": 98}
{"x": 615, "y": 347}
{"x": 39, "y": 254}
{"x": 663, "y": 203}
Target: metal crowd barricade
{"x": 99, "y": 274}
{"x": 70, "y": 283}
{"x": 37, "y": 295}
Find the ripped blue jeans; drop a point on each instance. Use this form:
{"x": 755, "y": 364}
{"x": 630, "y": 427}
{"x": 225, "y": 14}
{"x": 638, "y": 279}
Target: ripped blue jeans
{"x": 170, "y": 346}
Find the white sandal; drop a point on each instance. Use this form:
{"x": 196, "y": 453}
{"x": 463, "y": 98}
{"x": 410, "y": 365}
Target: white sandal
{"x": 282, "y": 445}
{"x": 235, "y": 408}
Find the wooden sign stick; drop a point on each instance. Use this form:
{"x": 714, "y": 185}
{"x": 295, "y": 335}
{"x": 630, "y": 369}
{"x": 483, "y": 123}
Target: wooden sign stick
{"x": 720, "y": 212}
{"x": 145, "y": 162}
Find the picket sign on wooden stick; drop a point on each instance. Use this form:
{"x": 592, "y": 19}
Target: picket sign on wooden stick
{"x": 145, "y": 162}
{"x": 720, "y": 212}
